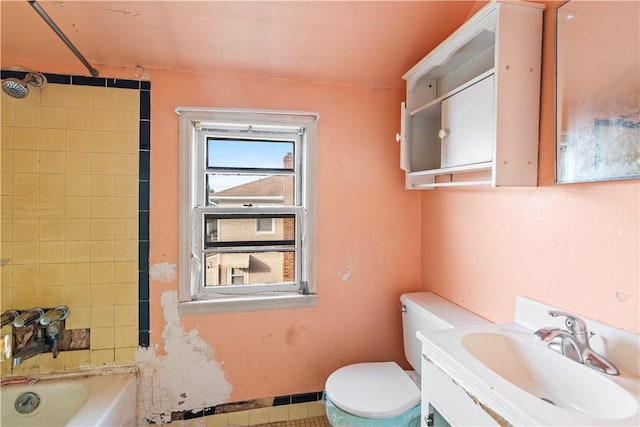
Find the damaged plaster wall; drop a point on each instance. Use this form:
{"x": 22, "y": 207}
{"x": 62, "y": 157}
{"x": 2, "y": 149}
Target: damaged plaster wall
{"x": 186, "y": 378}
{"x": 163, "y": 272}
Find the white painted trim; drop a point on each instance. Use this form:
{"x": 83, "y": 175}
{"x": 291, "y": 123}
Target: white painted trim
{"x": 246, "y": 303}
{"x": 190, "y": 120}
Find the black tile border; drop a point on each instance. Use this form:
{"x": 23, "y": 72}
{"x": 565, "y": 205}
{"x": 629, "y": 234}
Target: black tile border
{"x": 124, "y": 84}
{"x": 306, "y": 397}
{"x": 144, "y": 319}
{"x": 92, "y": 81}
{"x": 247, "y": 405}
{"x": 89, "y": 81}
{"x": 188, "y": 415}
{"x": 145, "y": 106}
{"x": 58, "y": 79}
{"x": 144, "y": 195}
{"x": 143, "y": 191}
{"x": 143, "y": 289}
{"x": 143, "y": 225}
{"x": 145, "y": 165}
{"x": 144, "y": 176}
{"x": 143, "y": 338}
{"x": 145, "y": 134}
{"x": 143, "y": 255}
{"x": 281, "y": 400}
{"x": 10, "y": 74}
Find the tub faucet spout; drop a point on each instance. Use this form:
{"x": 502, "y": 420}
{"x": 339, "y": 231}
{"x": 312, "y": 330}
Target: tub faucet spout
{"x": 567, "y": 346}
{"x": 35, "y": 347}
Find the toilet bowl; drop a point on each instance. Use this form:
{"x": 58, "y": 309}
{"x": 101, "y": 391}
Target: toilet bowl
{"x": 372, "y": 394}
{"x": 381, "y": 393}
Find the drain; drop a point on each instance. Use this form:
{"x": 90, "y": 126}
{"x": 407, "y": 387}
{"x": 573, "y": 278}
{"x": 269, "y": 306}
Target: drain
{"x": 548, "y": 401}
{"x": 27, "y": 402}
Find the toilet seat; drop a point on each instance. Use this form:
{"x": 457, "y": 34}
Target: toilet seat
{"x": 372, "y": 390}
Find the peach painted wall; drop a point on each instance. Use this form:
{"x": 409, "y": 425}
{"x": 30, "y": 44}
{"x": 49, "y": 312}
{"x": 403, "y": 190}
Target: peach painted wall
{"x": 572, "y": 246}
{"x": 367, "y": 227}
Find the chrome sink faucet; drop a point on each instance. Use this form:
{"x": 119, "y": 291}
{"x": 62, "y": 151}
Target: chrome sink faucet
{"x": 574, "y": 343}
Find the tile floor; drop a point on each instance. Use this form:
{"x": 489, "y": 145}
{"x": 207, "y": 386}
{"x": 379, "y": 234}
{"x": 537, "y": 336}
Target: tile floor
{"x": 310, "y": 414}
{"x": 307, "y": 422}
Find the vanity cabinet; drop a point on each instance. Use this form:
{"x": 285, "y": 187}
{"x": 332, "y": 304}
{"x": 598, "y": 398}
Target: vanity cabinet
{"x": 472, "y": 107}
{"x": 444, "y": 403}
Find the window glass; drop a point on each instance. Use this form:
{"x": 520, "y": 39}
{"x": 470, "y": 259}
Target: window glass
{"x": 238, "y": 276}
{"x": 240, "y": 230}
{"x": 265, "y": 225}
{"x": 249, "y": 268}
{"x": 228, "y": 189}
{"x": 248, "y": 154}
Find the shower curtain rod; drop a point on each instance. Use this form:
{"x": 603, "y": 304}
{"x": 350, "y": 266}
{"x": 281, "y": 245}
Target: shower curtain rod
{"x": 64, "y": 38}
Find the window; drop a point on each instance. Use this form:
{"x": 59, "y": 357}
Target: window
{"x": 265, "y": 225}
{"x": 247, "y": 220}
{"x": 237, "y": 276}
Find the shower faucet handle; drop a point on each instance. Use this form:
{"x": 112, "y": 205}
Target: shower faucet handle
{"x": 8, "y": 317}
{"x": 61, "y": 312}
{"x": 30, "y": 316}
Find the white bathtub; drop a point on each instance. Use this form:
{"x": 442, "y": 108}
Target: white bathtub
{"x": 97, "y": 400}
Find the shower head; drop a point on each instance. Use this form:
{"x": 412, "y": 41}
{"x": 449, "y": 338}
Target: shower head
{"x": 16, "y": 88}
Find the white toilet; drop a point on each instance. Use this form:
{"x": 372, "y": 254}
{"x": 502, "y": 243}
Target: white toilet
{"x": 381, "y": 393}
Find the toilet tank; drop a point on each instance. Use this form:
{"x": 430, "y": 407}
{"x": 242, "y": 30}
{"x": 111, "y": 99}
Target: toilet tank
{"x": 426, "y": 311}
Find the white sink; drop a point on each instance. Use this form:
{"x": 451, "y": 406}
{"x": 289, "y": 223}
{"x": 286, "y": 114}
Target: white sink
{"x": 510, "y": 377}
{"x": 550, "y": 376}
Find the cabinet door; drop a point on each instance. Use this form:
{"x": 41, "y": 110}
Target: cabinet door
{"x": 467, "y": 125}
{"x": 405, "y": 159}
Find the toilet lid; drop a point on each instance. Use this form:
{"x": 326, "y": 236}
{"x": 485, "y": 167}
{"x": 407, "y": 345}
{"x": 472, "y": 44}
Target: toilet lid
{"x": 372, "y": 390}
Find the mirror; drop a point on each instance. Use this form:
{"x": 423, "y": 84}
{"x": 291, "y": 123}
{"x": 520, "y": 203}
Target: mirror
{"x": 597, "y": 91}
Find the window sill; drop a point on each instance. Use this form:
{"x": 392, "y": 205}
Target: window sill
{"x": 245, "y": 303}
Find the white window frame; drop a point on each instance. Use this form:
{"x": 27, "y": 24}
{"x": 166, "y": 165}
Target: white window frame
{"x": 272, "y": 230}
{"x": 230, "y": 275}
{"x": 193, "y": 121}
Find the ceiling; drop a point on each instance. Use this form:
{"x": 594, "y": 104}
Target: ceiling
{"x": 346, "y": 42}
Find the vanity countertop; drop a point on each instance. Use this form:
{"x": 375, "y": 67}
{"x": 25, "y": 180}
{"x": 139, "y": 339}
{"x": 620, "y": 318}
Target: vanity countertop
{"x": 513, "y": 376}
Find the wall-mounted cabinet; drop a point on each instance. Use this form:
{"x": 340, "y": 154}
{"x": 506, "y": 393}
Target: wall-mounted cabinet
{"x": 472, "y": 109}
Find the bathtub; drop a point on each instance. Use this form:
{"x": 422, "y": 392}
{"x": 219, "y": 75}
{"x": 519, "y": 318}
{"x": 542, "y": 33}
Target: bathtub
{"x": 94, "y": 400}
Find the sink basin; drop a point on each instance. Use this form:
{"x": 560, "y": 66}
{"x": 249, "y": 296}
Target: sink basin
{"x": 550, "y": 376}
{"x": 501, "y": 374}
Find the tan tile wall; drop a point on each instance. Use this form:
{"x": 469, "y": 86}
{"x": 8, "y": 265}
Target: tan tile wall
{"x": 69, "y": 216}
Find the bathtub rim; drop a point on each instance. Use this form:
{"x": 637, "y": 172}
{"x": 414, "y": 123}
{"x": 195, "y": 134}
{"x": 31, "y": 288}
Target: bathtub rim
{"x": 77, "y": 373}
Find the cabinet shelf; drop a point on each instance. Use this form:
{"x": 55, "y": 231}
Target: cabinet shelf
{"x": 477, "y": 167}
{"x": 479, "y": 173}
{"x": 452, "y": 184}
{"x": 455, "y": 94}
{"x": 438, "y": 100}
